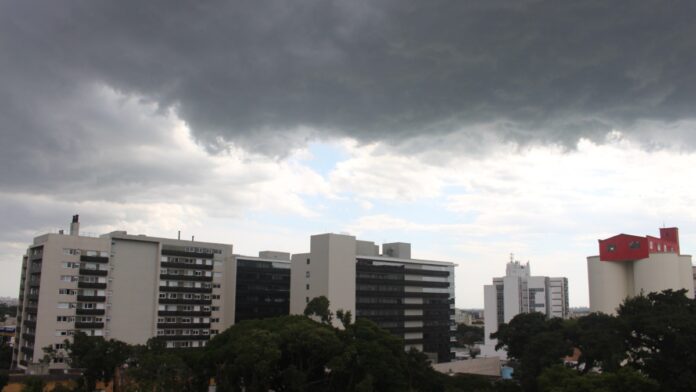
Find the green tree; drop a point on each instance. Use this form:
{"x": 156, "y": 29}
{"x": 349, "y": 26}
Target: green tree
{"x": 155, "y": 368}
{"x": 284, "y": 353}
{"x": 33, "y": 384}
{"x": 599, "y": 337}
{"x": 660, "y": 334}
{"x": 562, "y": 379}
{"x": 535, "y": 343}
{"x": 371, "y": 356}
{"x": 319, "y": 306}
{"x": 97, "y": 357}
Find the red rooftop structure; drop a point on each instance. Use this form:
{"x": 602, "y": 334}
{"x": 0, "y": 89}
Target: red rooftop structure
{"x": 626, "y": 247}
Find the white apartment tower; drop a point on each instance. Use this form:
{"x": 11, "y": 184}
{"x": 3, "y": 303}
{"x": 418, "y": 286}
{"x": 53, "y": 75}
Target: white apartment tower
{"x": 519, "y": 292}
{"x": 413, "y": 299}
{"x": 121, "y": 286}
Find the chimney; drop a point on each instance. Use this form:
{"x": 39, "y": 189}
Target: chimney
{"x": 75, "y": 225}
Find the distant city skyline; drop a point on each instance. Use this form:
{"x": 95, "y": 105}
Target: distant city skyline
{"x": 470, "y": 129}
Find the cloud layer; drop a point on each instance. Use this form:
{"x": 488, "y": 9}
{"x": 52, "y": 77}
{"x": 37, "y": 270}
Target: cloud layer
{"x": 269, "y": 75}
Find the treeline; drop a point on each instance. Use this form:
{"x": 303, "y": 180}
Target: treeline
{"x": 291, "y": 353}
{"x": 649, "y": 346}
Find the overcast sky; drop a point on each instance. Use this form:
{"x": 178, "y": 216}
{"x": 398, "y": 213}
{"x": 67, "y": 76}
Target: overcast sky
{"x": 472, "y": 129}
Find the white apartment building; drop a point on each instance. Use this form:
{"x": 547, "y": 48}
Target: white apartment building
{"x": 413, "y": 299}
{"x": 629, "y": 265}
{"x": 519, "y": 292}
{"x": 121, "y": 286}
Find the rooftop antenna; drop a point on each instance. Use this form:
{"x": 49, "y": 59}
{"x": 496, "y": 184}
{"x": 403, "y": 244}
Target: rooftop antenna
{"x": 512, "y": 257}
{"x": 178, "y": 235}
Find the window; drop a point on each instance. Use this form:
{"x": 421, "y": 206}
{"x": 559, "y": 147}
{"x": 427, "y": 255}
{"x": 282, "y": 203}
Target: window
{"x": 308, "y": 261}
{"x": 67, "y": 291}
{"x": 70, "y": 264}
{"x": 611, "y": 247}
{"x": 216, "y": 297}
{"x": 215, "y": 308}
{"x": 216, "y": 285}
{"x": 307, "y": 286}
{"x": 73, "y": 252}
{"x": 215, "y": 320}
{"x": 306, "y": 299}
{"x": 634, "y": 245}
{"x": 307, "y": 274}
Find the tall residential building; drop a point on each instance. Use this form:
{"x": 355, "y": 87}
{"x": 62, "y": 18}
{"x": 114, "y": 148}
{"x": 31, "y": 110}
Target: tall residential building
{"x": 413, "y": 299}
{"x": 629, "y": 265}
{"x": 135, "y": 287}
{"x": 519, "y": 292}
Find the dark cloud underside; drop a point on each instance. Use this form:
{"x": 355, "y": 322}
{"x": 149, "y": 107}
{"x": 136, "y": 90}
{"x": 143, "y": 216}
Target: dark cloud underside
{"x": 247, "y": 71}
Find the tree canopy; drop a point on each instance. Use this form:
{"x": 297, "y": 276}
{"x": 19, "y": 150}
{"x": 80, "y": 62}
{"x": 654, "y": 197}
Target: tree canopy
{"x": 647, "y": 346}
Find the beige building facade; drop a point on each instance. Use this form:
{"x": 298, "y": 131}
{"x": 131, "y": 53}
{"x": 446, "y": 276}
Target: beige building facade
{"x": 121, "y": 286}
{"x": 411, "y": 298}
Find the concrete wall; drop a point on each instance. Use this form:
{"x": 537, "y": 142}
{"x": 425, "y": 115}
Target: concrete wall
{"x": 338, "y": 252}
{"x": 511, "y": 297}
{"x": 610, "y": 282}
{"x": 299, "y": 295}
{"x": 134, "y": 287}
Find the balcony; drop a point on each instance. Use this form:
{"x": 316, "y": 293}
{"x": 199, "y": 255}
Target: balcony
{"x": 90, "y": 298}
{"x": 183, "y": 301}
{"x": 185, "y": 289}
{"x": 89, "y": 312}
{"x": 166, "y": 264}
{"x": 33, "y": 297}
{"x": 81, "y": 325}
{"x": 29, "y": 323}
{"x": 183, "y": 325}
{"x": 91, "y": 272}
{"x": 31, "y": 309}
{"x": 28, "y": 350}
{"x": 187, "y": 278}
{"x": 94, "y": 259}
{"x": 87, "y": 285}
{"x": 184, "y": 313}
{"x": 185, "y": 337}
{"x": 171, "y": 252}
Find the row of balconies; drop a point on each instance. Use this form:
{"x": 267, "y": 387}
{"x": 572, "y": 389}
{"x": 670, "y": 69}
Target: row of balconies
{"x": 94, "y": 259}
{"x": 183, "y": 325}
{"x": 91, "y": 285}
{"x": 192, "y": 278}
{"x": 184, "y": 337}
{"x": 90, "y": 298}
{"x": 166, "y": 264}
{"x": 185, "y": 289}
{"x": 182, "y": 301}
{"x": 192, "y": 313}
{"x": 92, "y": 272}
{"x": 83, "y": 325}
{"x": 90, "y": 312}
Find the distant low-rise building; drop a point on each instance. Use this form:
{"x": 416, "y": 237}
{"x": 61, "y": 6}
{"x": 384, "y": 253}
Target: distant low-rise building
{"x": 628, "y": 265}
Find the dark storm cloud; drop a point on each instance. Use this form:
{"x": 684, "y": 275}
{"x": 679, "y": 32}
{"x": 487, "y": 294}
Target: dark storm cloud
{"x": 253, "y": 72}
